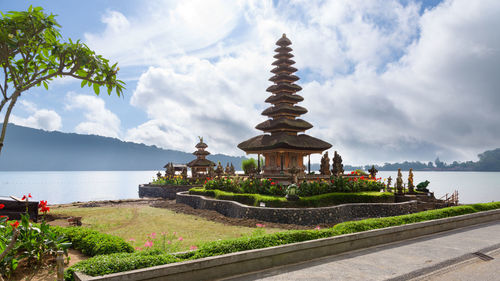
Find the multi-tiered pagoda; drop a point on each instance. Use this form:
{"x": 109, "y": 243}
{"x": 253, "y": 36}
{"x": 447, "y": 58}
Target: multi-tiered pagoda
{"x": 200, "y": 165}
{"x": 282, "y": 145}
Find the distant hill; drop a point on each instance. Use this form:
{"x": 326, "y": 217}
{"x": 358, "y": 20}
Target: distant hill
{"x": 28, "y": 149}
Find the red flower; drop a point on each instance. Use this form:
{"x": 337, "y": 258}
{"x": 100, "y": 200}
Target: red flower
{"x": 29, "y": 195}
{"x": 15, "y": 225}
{"x": 45, "y": 209}
{"x": 2, "y": 206}
{"x": 24, "y": 197}
{"x": 273, "y": 183}
{"x": 4, "y": 217}
{"x": 42, "y": 204}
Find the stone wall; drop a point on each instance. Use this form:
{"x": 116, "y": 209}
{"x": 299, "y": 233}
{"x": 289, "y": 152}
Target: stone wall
{"x": 162, "y": 191}
{"x": 301, "y": 216}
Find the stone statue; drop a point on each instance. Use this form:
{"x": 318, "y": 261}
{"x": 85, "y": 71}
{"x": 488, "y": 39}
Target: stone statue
{"x": 399, "y": 182}
{"x": 227, "y": 171}
{"x": 389, "y": 181}
{"x": 170, "y": 171}
{"x": 373, "y": 172}
{"x": 231, "y": 170}
{"x": 158, "y": 175}
{"x": 411, "y": 186}
{"x": 219, "y": 171}
{"x": 325, "y": 165}
{"x": 294, "y": 171}
{"x": 184, "y": 173}
{"x": 337, "y": 166}
{"x": 211, "y": 172}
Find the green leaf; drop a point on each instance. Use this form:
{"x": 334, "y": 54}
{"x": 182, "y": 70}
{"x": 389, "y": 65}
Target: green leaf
{"x": 45, "y": 85}
{"x": 83, "y": 83}
{"x": 96, "y": 88}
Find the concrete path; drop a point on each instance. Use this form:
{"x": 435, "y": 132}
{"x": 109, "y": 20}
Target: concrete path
{"x": 447, "y": 255}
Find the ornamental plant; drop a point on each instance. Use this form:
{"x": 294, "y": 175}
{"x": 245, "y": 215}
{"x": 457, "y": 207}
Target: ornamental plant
{"x": 25, "y": 240}
{"x": 171, "y": 180}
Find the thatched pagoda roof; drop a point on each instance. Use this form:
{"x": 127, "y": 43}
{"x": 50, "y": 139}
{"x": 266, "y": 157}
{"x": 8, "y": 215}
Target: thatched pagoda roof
{"x": 283, "y": 41}
{"x": 284, "y": 109}
{"x": 286, "y": 87}
{"x": 201, "y": 152}
{"x": 284, "y": 97}
{"x": 284, "y": 78}
{"x": 301, "y": 142}
{"x": 200, "y": 163}
{"x": 284, "y": 69}
{"x": 284, "y": 124}
{"x": 201, "y": 144}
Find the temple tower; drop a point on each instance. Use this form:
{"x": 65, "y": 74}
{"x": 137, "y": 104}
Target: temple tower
{"x": 200, "y": 165}
{"x": 281, "y": 144}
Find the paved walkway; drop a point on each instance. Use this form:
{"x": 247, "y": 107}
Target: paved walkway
{"x": 447, "y": 255}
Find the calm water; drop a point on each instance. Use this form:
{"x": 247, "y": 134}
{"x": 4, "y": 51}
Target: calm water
{"x": 65, "y": 187}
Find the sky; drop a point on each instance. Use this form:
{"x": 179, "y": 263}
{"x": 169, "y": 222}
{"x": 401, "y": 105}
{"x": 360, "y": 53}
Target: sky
{"x": 383, "y": 80}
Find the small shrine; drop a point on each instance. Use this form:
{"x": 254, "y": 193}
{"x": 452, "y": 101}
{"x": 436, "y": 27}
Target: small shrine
{"x": 284, "y": 143}
{"x": 200, "y": 165}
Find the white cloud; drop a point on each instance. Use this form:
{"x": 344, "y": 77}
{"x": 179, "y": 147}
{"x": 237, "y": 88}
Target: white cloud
{"x": 381, "y": 82}
{"x": 164, "y": 28}
{"x": 40, "y": 118}
{"x": 98, "y": 119}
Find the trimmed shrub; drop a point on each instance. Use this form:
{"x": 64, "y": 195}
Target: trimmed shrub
{"x": 119, "y": 262}
{"x": 92, "y": 243}
{"x": 311, "y": 201}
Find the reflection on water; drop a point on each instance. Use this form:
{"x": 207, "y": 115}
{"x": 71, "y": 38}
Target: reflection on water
{"x": 65, "y": 187}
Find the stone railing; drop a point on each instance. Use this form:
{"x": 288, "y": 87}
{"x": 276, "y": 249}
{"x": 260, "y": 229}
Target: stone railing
{"x": 300, "y": 216}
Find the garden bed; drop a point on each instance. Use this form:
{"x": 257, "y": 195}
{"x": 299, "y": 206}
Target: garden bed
{"x": 302, "y": 216}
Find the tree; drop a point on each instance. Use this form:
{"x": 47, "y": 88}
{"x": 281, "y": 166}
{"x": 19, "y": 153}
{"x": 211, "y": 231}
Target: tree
{"x": 31, "y": 54}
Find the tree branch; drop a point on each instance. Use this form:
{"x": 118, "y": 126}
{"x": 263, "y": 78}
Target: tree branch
{"x": 16, "y": 94}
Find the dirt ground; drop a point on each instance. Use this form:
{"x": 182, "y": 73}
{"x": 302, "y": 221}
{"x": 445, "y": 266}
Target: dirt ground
{"x": 178, "y": 208}
{"x": 45, "y": 272}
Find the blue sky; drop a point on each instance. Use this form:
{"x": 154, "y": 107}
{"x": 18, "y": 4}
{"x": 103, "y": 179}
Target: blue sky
{"x": 383, "y": 80}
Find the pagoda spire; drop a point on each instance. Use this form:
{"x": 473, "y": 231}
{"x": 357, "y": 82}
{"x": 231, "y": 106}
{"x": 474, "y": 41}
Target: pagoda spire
{"x": 283, "y": 113}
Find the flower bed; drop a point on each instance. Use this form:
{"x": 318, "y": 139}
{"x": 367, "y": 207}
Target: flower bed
{"x": 106, "y": 264}
{"x": 305, "y": 188}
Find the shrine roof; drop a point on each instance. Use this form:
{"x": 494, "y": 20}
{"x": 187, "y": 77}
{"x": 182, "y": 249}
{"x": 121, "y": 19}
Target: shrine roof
{"x": 283, "y": 141}
{"x": 200, "y": 163}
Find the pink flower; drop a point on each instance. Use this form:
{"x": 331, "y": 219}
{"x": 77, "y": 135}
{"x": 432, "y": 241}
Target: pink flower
{"x": 131, "y": 239}
{"x": 317, "y": 228}
{"x": 180, "y": 238}
{"x": 192, "y": 248}
{"x": 138, "y": 248}
{"x": 260, "y": 225}
{"x": 148, "y": 244}
{"x": 175, "y": 233}
{"x": 169, "y": 242}
{"x": 153, "y": 235}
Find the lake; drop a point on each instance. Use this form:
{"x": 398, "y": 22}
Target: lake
{"x": 71, "y": 186}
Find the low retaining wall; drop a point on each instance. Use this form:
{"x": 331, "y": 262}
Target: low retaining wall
{"x": 301, "y": 216}
{"x": 162, "y": 191}
{"x": 253, "y": 260}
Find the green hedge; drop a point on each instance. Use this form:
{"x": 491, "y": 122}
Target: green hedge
{"x": 92, "y": 243}
{"x": 322, "y": 200}
{"x": 121, "y": 262}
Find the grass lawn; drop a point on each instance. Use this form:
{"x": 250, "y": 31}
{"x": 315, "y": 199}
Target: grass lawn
{"x": 138, "y": 222}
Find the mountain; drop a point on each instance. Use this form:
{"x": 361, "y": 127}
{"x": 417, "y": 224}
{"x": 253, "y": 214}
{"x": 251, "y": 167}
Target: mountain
{"x": 28, "y": 149}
